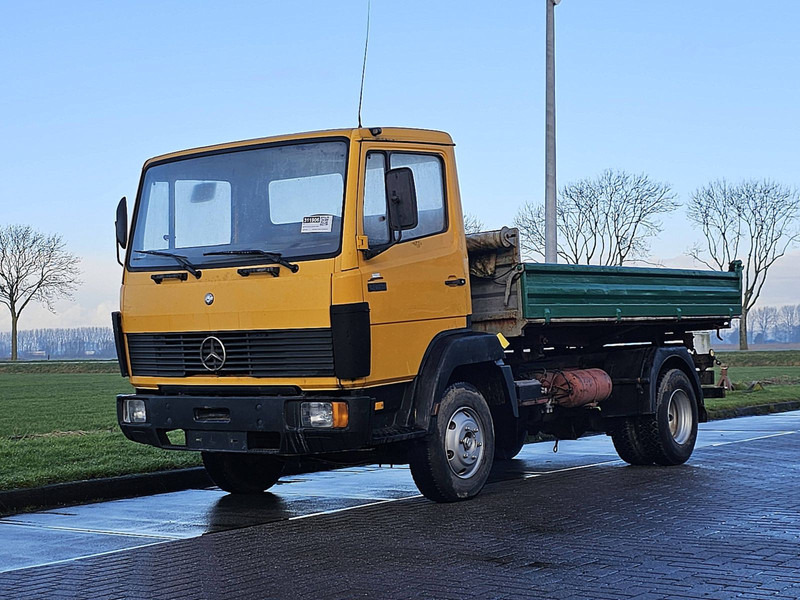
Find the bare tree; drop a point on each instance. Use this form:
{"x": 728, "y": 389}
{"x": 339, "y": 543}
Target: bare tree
{"x": 33, "y": 267}
{"x": 472, "y": 224}
{"x": 787, "y": 321}
{"x": 755, "y": 319}
{"x": 794, "y": 335}
{"x": 716, "y": 209}
{"x": 764, "y": 319}
{"x": 606, "y": 220}
{"x": 82, "y": 342}
{"x": 771, "y": 318}
{"x": 754, "y": 221}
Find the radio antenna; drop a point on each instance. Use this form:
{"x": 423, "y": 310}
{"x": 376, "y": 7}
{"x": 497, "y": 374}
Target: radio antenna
{"x": 364, "y": 66}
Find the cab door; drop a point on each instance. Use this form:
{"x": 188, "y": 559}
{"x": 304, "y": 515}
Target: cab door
{"x": 419, "y": 286}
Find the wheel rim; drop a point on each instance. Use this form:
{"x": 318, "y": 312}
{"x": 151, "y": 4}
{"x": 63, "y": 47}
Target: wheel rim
{"x": 464, "y": 443}
{"x": 679, "y": 413}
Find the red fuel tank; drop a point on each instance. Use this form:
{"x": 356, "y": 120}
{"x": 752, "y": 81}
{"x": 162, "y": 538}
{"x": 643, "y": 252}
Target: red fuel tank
{"x": 576, "y": 387}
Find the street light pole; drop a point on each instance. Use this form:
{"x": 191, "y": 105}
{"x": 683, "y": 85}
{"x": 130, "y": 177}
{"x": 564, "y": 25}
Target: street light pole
{"x": 550, "y": 241}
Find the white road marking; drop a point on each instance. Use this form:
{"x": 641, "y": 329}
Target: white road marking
{"x": 345, "y": 509}
{"x": 390, "y": 500}
{"x": 605, "y": 462}
{"x": 348, "y": 508}
{"x": 752, "y": 439}
{"x": 295, "y": 495}
{"x": 94, "y": 531}
{"x": 98, "y": 554}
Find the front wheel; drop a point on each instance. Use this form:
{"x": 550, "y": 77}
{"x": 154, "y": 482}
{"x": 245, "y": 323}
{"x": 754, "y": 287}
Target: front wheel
{"x": 242, "y": 473}
{"x": 454, "y": 461}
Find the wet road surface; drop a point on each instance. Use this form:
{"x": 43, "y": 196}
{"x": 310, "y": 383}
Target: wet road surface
{"x": 65, "y": 539}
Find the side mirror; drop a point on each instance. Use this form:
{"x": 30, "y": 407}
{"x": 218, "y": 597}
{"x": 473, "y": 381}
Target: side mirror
{"x": 122, "y": 223}
{"x": 402, "y": 196}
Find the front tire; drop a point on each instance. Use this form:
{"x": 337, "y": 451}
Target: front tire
{"x": 454, "y": 461}
{"x": 242, "y": 473}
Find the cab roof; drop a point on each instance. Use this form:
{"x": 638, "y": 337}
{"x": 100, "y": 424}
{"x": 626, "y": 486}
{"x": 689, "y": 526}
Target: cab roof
{"x": 398, "y": 134}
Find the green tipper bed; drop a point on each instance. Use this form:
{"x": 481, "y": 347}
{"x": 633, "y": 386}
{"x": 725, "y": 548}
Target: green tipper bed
{"x": 588, "y": 292}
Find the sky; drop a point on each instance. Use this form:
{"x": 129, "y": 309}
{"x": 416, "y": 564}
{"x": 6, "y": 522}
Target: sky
{"x": 684, "y": 91}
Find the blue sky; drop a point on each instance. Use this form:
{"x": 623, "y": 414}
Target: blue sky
{"x": 685, "y": 91}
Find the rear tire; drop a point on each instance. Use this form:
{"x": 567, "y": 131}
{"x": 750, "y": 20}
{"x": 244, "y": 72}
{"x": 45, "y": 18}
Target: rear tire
{"x": 242, "y": 473}
{"x": 454, "y": 461}
{"x": 628, "y": 444}
{"x": 670, "y": 434}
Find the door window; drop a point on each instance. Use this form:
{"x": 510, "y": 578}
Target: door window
{"x": 376, "y": 223}
{"x": 429, "y": 184}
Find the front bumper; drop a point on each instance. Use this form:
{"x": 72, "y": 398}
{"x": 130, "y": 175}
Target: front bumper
{"x": 262, "y": 424}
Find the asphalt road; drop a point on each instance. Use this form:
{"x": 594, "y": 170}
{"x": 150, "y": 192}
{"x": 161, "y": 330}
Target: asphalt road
{"x": 576, "y": 524}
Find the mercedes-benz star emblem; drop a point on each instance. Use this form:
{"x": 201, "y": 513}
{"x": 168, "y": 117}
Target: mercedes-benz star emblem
{"x": 209, "y": 298}
{"x": 212, "y": 353}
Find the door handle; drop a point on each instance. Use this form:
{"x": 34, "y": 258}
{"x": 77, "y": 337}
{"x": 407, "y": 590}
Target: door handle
{"x": 455, "y": 282}
{"x": 376, "y": 283}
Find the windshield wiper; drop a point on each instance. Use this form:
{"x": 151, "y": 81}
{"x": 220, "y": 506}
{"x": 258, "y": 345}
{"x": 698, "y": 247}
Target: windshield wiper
{"x": 275, "y": 257}
{"x": 182, "y": 260}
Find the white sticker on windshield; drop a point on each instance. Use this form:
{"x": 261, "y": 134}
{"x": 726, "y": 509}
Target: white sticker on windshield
{"x": 317, "y": 224}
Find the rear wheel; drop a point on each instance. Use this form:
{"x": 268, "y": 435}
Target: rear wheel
{"x": 670, "y": 434}
{"x": 453, "y": 463}
{"x": 628, "y": 444}
{"x": 242, "y": 473}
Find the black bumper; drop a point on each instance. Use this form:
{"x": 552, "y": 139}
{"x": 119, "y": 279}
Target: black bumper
{"x": 263, "y": 424}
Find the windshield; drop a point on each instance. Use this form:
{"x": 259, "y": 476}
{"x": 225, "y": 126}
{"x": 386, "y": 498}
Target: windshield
{"x": 282, "y": 199}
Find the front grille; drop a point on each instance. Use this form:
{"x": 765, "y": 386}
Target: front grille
{"x": 264, "y": 353}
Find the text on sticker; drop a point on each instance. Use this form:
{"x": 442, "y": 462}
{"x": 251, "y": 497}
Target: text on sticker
{"x": 317, "y": 224}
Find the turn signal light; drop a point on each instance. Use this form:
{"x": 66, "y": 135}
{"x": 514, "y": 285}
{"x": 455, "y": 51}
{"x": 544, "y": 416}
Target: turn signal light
{"x": 341, "y": 417}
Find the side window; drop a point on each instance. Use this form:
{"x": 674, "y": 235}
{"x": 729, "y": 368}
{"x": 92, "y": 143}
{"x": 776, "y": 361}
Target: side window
{"x": 429, "y": 183}
{"x": 376, "y": 224}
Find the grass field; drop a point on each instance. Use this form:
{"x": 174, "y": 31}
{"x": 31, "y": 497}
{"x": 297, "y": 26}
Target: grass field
{"x": 770, "y": 358}
{"x": 769, "y": 395}
{"x": 70, "y": 366}
{"x": 58, "y": 419}
{"x": 778, "y": 374}
{"x": 769, "y": 375}
{"x": 61, "y": 426}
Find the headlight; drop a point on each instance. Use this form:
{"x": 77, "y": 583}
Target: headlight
{"x": 133, "y": 411}
{"x": 324, "y": 414}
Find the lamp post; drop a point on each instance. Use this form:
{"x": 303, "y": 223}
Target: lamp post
{"x": 550, "y": 241}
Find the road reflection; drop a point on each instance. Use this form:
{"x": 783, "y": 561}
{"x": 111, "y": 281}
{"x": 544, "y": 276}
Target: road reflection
{"x": 234, "y": 511}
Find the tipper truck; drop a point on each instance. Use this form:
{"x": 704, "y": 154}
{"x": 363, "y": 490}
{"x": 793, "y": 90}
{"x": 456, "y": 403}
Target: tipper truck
{"x": 315, "y": 296}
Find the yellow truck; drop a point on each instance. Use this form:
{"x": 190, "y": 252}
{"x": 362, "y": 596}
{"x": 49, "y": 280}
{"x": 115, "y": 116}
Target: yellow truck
{"x": 315, "y": 295}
